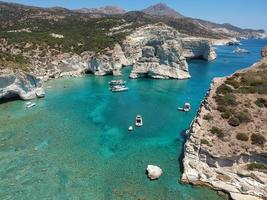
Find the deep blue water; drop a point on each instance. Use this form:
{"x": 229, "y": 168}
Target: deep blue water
{"x": 75, "y": 145}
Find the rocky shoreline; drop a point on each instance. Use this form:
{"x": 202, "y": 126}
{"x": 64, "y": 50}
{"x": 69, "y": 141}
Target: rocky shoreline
{"x": 155, "y": 51}
{"x": 221, "y": 163}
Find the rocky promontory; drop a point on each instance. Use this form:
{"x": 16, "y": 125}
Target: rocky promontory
{"x": 14, "y": 83}
{"x": 226, "y": 146}
{"x": 155, "y": 51}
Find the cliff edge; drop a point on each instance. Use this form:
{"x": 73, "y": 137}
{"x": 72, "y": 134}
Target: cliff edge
{"x": 226, "y": 147}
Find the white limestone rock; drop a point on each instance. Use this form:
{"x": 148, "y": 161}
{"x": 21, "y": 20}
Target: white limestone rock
{"x": 154, "y": 172}
{"x": 19, "y": 84}
{"x": 198, "y": 48}
{"x": 109, "y": 63}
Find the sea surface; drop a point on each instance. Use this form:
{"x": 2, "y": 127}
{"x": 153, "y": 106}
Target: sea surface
{"x": 74, "y": 144}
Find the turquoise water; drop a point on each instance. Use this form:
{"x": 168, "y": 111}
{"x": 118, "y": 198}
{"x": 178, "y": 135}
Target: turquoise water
{"x": 75, "y": 145}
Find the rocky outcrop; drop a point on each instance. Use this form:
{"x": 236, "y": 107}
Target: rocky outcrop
{"x": 156, "y": 51}
{"x": 264, "y": 52}
{"x": 222, "y": 163}
{"x": 198, "y": 48}
{"x": 19, "y": 84}
{"x": 153, "y": 172}
{"x": 109, "y": 63}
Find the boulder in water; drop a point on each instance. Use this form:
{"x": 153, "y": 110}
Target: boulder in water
{"x": 153, "y": 172}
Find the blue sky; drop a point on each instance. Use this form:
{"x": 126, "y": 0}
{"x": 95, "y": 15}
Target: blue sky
{"x": 243, "y": 13}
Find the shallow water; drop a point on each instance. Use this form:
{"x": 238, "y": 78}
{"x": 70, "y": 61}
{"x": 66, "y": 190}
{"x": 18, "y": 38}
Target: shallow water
{"x": 75, "y": 145}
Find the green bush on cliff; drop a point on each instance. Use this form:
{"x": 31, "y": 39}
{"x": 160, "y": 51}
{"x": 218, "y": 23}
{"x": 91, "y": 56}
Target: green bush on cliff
{"x": 206, "y": 142}
{"x": 242, "y": 136}
{"x": 208, "y": 117}
{"x": 224, "y": 89}
{"x": 261, "y": 102}
{"x": 231, "y": 81}
{"x": 253, "y": 166}
{"x": 257, "y": 139}
{"x": 217, "y": 131}
{"x": 243, "y": 117}
{"x": 226, "y": 100}
{"x": 234, "y": 121}
{"x": 227, "y": 113}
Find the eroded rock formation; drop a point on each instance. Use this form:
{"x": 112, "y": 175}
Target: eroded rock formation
{"x": 156, "y": 51}
{"x": 15, "y": 83}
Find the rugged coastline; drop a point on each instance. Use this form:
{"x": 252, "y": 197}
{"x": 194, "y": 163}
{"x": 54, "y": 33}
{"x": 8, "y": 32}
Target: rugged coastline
{"x": 155, "y": 51}
{"x": 226, "y": 146}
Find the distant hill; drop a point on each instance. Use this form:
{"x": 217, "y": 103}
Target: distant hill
{"x": 107, "y": 10}
{"x": 162, "y": 10}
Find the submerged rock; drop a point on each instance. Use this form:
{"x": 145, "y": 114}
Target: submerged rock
{"x": 14, "y": 83}
{"x": 153, "y": 172}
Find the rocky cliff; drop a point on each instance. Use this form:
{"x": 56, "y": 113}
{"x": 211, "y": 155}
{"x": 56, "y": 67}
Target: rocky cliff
{"x": 156, "y": 51}
{"x": 15, "y": 83}
{"x": 226, "y": 146}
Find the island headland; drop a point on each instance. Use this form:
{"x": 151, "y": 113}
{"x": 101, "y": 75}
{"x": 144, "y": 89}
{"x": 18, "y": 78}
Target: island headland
{"x": 226, "y": 145}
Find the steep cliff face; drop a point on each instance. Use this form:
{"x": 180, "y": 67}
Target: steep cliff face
{"x": 109, "y": 63}
{"x": 156, "y": 51}
{"x": 19, "y": 84}
{"x": 196, "y": 48}
{"x": 226, "y": 146}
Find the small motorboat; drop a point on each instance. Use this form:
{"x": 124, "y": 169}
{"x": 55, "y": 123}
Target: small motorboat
{"x": 118, "y": 88}
{"x": 138, "y": 121}
{"x": 240, "y": 51}
{"x": 186, "y": 107}
{"x": 30, "y": 105}
{"x": 117, "y": 82}
{"x": 130, "y": 128}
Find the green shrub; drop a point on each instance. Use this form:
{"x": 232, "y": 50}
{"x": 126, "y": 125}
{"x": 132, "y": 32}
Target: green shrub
{"x": 226, "y": 100}
{"x": 206, "y": 142}
{"x": 261, "y": 102}
{"x": 233, "y": 121}
{"x": 227, "y": 113}
{"x": 257, "y": 139}
{"x": 217, "y": 131}
{"x": 233, "y": 82}
{"x": 243, "y": 117}
{"x": 208, "y": 117}
{"x": 242, "y": 136}
{"x": 224, "y": 89}
{"x": 255, "y": 165}
{"x": 221, "y": 108}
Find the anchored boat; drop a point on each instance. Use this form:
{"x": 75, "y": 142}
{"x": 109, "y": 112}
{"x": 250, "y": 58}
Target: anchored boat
{"x": 186, "y": 107}
{"x": 118, "y": 88}
{"x": 138, "y": 121}
{"x": 239, "y": 50}
{"x": 29, "y": 105}
{"x": 117, "y": 82}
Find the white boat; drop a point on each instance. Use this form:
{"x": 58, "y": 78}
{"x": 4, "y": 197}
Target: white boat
{"x": 239, "y": 50}
{"x": 117, "y": 82}
{"x": 118, "y": 88}
{"x": 138, "y": 121}
{"x": 130, "y": 128}
{"x": 30, "y": 105}
{"x": 186, "y": 107}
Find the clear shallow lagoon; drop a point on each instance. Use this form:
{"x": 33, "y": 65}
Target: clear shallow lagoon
{"x": 75, "y": 145}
